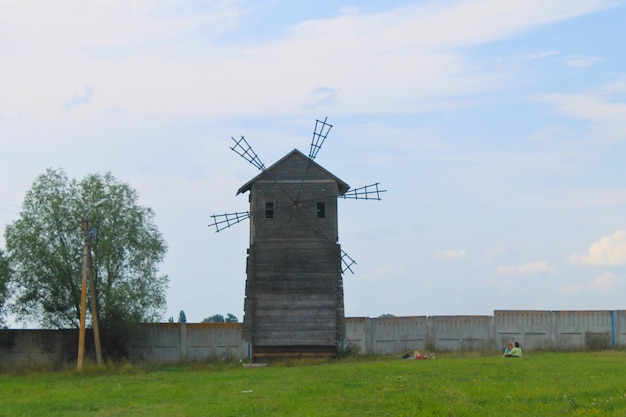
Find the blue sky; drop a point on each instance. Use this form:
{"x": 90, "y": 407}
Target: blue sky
{"x": 498, "y": 129}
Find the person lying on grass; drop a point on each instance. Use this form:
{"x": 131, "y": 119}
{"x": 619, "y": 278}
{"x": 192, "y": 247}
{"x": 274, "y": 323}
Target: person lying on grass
{"x": 417, "y": 355}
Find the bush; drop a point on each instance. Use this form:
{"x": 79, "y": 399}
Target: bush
{"x": 350, "y": 349}
{"x": 116, "y": 333}
{"x": 598, "y": 341}
{"x": 7, "y": 338}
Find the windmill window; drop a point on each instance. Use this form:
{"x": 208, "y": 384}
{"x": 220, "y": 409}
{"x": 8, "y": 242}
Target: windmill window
{"x": 321, "y": 210}
{"x": 269, "y": 209}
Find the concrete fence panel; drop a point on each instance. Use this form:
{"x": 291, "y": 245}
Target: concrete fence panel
{"x": 394, "y": 335}
{"x": 33, "y": 348}
{"x": 532, "y": 329}
{"x": 215, "y": 341}
{"x": 462, "y": 332}
{"x": 573, "y": 326}
{"x": 619, "y": 327}
{"x": 158, "y": 342}
{"x": 358, "y": 333}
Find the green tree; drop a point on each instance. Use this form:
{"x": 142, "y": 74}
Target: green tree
{"x": 182, "y": 317}
{"x": 216, "y": 318}
{"x": 5, "y": 275}
{"x": 45, "y": 249}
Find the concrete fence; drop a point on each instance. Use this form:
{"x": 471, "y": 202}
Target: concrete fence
{"x": 559, "y": 330}
{"x": 40, "y": 347}
{"x": 190, "y": 342}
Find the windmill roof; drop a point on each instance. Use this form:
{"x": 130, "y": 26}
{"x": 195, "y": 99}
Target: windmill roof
{"x": 342, "y": 186}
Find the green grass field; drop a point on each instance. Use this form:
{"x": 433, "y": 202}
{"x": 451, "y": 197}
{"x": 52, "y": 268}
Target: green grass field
{"x": 541, "y": 384}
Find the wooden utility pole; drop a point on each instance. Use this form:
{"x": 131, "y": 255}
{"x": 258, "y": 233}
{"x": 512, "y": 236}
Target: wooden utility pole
{"x": 83, "y": 305}
{"x": 88, "y": 274}
{"x": 94, "y": 301}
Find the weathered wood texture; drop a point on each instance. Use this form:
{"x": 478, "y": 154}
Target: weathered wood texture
{"x": 294, "y": 290}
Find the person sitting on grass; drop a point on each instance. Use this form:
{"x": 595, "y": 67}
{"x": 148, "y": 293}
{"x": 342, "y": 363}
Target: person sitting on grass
{"x": 508, "y": 349}
{"x": 516, "y": 352}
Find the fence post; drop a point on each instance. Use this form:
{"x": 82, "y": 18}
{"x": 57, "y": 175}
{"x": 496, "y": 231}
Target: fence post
{"x": 431, "y": 337}
{"x": 492, "y": 333}
{"x": 369, "y": 337}
{"x": 554, "y": 329}
{"x": 183, "y": 342}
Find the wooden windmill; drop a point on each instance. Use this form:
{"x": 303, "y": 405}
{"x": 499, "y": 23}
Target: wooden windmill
{"x": 294, "y": 288}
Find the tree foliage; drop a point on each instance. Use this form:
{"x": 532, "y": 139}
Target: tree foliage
{"x": 45, "y": 248}
{"x": 218, "y": 318}
{"x": 5, "y": 275}
{"x": 182, "y": 317}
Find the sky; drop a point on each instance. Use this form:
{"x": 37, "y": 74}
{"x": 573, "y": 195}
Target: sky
{"x": 498, "y": 129}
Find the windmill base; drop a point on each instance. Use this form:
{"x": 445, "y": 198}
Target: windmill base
{"x": 274, "y": 353}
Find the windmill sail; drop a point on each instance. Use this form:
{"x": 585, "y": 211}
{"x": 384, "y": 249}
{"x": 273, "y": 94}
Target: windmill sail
{"x": 226, "y": 220}
{"x": 368, "y": 192}
{"x": 243, "y": 149}
{"x": 319, "y": 136}
{"x": 346, "y": 262}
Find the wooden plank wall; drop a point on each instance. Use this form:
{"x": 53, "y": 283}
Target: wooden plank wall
{"x": 294, "y": 290}
{"x": 297, "y": 300}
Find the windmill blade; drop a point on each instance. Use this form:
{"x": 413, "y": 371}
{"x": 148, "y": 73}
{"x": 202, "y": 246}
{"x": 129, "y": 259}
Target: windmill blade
{"x": 346, "y": 262}
{"x": 319, "y": 136}
{"x": 243, "y": 149}
{"x": 224, "y": 221}
{"x": 368, "y": 192}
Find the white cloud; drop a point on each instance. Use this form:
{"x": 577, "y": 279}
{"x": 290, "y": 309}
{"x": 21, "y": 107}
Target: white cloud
{"x": 536, "y": 55}
{"x": 585, "y": 196}
{"x": 530, "y": 268}
{"x": 573, "y": 288}
{"x": 609, "y": 250}
{"x": 96, "y": 26}
{"x": 582, "y": 61}
{"x": 403, "y": 57}
{"x": 587, "y": 106}
{"x": 451, "y": 254}
{"x": 617, "y": 87}
{"x": 603, "y": 282}
{"x": 321, "y": 96}
{"x": 383, "y": 273}
{"x": 78, "y": 99}
{"x": 604, "y": 109}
